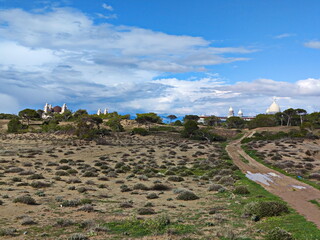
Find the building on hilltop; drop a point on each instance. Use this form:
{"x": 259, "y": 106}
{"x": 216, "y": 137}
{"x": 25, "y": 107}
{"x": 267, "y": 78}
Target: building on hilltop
{"x": 48, "y": 110}
{"x": 231, "y": 112}
{"x": 274, "y": 107}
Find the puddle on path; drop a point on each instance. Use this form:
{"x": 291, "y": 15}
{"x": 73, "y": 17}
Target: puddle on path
{"x": 298, "y": 187}
{"x": 262, "y": 178}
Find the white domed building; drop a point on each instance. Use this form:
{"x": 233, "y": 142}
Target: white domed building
{"x": 274, "y": 108}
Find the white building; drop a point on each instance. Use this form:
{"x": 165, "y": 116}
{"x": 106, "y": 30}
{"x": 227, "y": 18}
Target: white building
{"x": 274, "y": 108}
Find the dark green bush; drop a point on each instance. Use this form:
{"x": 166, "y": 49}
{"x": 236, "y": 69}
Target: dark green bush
{"x": 146, "y": 211}
{"x": 14, "y": 125}
{"x": 187, "y": 196}
{"x": 241, "y": 190}
{"x": 140, "y": 131}
{"x": 266, "y": 209}
{"x": 26, "y": 199}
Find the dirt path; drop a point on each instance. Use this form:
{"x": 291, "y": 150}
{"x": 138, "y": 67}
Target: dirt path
{"x": 297, "y": 194}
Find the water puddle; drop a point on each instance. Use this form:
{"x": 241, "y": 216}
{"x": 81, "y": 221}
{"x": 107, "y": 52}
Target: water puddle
{"x": 259, "y": 177}
{"x": 298, "y": 187}
{"x": 274, "y": 175}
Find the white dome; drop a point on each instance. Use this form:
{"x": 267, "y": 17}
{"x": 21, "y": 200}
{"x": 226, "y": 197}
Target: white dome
{"x": 230, "y": 109}
{"x": 274, "y": 108}
{"x": 240, "y": 112}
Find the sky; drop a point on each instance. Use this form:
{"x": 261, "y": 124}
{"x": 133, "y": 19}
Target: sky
{"x": 165, "y": 56}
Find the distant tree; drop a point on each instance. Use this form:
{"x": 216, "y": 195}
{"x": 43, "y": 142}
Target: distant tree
{"x": 172, "y": 117}
{"x": 313, "y": 119}
{"x": 178, "y": 123}
{"x": 190, "y": 127}
{"x": 148, "y": 118}
{"x": 289, "y": 114}
{"x": 80, "y": 112}
{"x": 7, "y": 116}
{"x": 263, "y": 120}
{"x": 211, "y": 121}
{"x": 235, "y": 122}
{"x": 191, "y": 117}
{"x": 115, "y": 125}
{"x": 14, "y": 126}
{"x": 301, "y": 113}
{"x": 28, "y": 114}
{"x": 279, "y": 118}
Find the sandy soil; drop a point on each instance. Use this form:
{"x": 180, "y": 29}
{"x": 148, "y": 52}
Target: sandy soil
{"x": 63, "y": 163}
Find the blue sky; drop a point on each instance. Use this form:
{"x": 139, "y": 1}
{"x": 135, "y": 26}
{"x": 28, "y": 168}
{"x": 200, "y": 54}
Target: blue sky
{"x": 168, "y": 56}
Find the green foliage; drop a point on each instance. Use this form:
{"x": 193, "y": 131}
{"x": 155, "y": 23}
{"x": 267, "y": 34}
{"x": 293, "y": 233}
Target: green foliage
{"x": 241, "y": 190}
{"x": 263, "y": 120}
{"x": 163, "y": 129}
{"x": 266, "y": 209}
{"x": 28, "y": 114}
{"x": 147, "y": 118}
{"x": 136, "y": 228}
{"x": 211, "y": 121}
{"x": 80, "y": 113}
{"x": 172, "y": 117}
{"x": 187, "y": 196}
{"x": 191, "y": 118}
{"x": 14, "y": 126}
{"x": 235, "y": 122}
{"x": 265, "y": 135}
{"x": 140, "y": 131}
{"x": 206, "y": 135}
{"x": 26, "y": 199}
{"x": 85, "y": 128}
{"x": 178, "y": 123}
{"x": 114, "y": 115}
{"x": 190, "y": 127}
{"x": 7, "y": 116}
{"x": 115, "y": 125}
{"x": 279, "y": 234}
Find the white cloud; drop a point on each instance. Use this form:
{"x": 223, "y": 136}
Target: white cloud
{"x": 63, "y": 56}
{"x": 313, "y": 44}
{"x": 107, "y": 7}
{"x": 110, "y": 16}
{"x": 284, "y": 35}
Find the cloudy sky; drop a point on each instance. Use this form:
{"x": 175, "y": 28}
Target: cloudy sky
{"x": 166, "y": 56}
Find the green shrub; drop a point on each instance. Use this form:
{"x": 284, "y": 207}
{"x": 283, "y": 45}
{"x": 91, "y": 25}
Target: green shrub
{"x": 146, "y": 211}
{"x": 14, "y": 126}
{"x": 266, "y": 209}
{"x": 279, "y": 234}
{"x": 140, "y": 131}
{"x": 187, "y": 196}
{"x": 140, "y": 186}
{"x": 78, "y": 236}
{"x": 160, "y": 187}
{"x": 26, "y": 199}
{"x": 39, "y": 184}
{"x": 115, "y": 125}
{"x": 177, "y": 123}
{"x": 241, "y": 190}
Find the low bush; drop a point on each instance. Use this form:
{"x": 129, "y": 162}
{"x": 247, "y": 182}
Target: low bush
{"x": 241, "y": 190}
{"x": 160, "y": 187}
{"x": 140, "y": 131}
{"x": 146, "y": 211}
{"x": 279, "y": 234}
{"x": 26, "y": 199}
{"x": 187, "y": 196}
{"x": 266, "y": 209}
